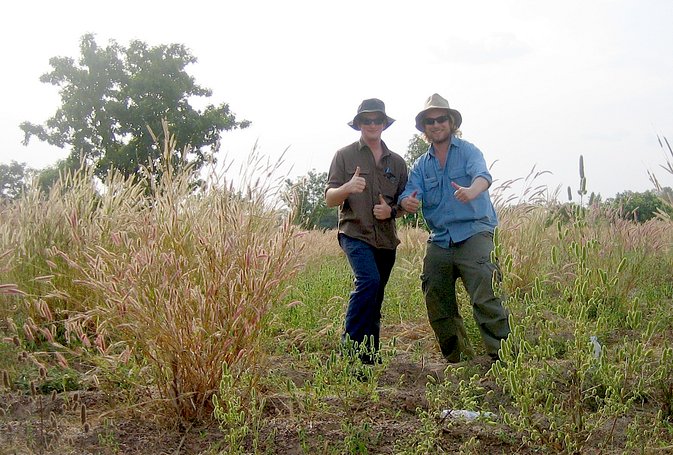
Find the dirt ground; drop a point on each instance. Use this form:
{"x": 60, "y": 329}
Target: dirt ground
{"x": 49, "y": 424}
{"x": 54, "y": 423}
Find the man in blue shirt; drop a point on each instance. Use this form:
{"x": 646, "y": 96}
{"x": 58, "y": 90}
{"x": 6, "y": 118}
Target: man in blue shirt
{"x": 451, "y": 181}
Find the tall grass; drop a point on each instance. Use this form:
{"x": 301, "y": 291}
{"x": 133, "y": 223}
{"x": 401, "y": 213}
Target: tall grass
{"x": 667, "y": 197}
{"x": 174, "y": 278}
{"x": 199, "y": 291}
{"x": 567, "y": 279}
{"x": 573, "y": 279}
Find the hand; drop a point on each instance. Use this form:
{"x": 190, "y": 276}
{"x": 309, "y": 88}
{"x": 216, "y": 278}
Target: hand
{"x": 356, "y": 184}
{"x": 463, "y": 194}
{"x": 382, "y": 211}
{"x": 410, "y": 204}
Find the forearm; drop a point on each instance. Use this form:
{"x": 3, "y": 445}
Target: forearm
{"x": 479, "y": 185}
{"x": 336, "y": 196}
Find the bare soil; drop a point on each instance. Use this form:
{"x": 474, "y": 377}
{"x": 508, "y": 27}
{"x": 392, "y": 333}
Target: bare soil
{"x": 53, "y": 423}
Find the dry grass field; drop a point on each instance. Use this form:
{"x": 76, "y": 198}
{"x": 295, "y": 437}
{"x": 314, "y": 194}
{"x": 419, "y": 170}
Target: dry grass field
{"x": 172, "y": 321}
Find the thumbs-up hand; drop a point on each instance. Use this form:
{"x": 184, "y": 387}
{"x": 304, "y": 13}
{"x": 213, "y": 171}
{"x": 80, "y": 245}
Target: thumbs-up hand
{"x": 356, "y": 184}
{"x": 382, "y": 211}
{"x": 410, "y": 204}
{"x": 462, "y": 193}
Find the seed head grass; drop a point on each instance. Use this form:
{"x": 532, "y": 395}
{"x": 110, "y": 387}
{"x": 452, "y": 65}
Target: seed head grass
{"x": 160, "y": 272}
{"x": 166, "y": 284}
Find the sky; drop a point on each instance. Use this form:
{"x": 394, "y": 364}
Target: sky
{"x": 538, "y": 83}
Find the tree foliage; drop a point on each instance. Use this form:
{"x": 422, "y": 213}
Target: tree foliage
{"x": 417, "y": 146}
{"x": 641, "y": 206}
{"x": 115, "y": 96}
{"x": 306, "y": 196}
{"x": 14, "y": 178}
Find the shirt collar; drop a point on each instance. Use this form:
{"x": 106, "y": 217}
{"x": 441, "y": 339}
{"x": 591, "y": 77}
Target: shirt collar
{"x": 362, "y": 145}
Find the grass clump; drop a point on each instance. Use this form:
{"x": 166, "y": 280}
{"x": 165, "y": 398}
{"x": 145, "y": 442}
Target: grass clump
{"x": 179, "y": 278}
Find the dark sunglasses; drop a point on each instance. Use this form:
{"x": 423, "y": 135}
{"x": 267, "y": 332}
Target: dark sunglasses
{"x": 427, "y": 121}
{"x": 369, "y": 121}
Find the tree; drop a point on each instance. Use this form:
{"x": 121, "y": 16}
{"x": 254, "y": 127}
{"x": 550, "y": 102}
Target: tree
{"x": 14, "y": 178}
{"x": 640, "y": 206}
{"x": 417, "y": 146}
{"x": 306, "y": 197}
{"x": 48, "y": 176}
{"x": 114, "y": 97}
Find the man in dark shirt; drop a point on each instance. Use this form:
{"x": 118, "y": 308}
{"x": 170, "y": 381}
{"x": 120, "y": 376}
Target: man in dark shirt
{"x": 365, "y": 181}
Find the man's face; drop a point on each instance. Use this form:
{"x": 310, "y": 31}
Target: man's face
{"x": 437, "y": 124}
{"x": 371, "y": 125}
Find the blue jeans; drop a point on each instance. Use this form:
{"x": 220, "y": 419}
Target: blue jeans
{"x": 371, "y": 268}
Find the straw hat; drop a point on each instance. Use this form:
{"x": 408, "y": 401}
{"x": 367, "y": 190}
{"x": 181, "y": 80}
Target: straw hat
{"x": 437, "y": 102}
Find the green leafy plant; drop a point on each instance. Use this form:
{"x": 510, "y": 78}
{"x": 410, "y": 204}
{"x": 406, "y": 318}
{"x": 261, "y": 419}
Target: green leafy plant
{"x": 238, "y": 409}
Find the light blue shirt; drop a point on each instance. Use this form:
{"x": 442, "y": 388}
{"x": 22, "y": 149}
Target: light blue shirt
{"x": 449, "y": 219}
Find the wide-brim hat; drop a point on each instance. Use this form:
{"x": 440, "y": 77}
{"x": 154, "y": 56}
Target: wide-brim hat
{"x": 370, "y": 105}
{"x": 437, "y": 102}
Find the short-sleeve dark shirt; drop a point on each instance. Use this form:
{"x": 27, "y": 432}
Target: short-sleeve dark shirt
{"x": 388, "y": 178}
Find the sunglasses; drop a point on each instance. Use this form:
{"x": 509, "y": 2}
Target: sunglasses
{"x": 369, "y": 121}
{"x": 427, "y": 121}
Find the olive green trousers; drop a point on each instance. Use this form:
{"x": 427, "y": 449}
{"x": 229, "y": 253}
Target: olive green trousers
{"x": 470, "y": 261}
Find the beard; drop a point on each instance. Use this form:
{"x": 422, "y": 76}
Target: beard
{"x": 439, "y": 137}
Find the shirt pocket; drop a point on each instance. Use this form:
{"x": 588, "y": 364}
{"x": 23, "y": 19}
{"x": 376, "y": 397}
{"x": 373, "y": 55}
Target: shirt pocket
{"x": 389, "y": 184}
{"x": 350, "y": 172}
{"x": 460, "y": 177}
{"x": 432, "y": 194}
